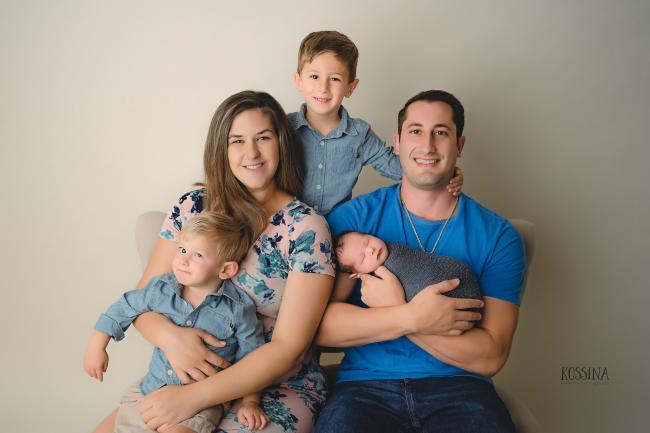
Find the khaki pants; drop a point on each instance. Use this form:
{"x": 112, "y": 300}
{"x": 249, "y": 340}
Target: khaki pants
{"x": 128, "y": 416}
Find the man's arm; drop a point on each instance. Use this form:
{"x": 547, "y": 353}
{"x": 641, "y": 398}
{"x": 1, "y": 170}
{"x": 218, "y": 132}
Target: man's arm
{"x": 483, "y": 349}
{"x": 346, "y": 325}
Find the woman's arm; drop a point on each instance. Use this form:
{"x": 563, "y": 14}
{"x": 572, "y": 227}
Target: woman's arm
{"x": 303, "y": 303}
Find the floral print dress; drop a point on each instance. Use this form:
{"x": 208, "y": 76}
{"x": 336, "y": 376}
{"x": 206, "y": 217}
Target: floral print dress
{"x": 297, "y": 239}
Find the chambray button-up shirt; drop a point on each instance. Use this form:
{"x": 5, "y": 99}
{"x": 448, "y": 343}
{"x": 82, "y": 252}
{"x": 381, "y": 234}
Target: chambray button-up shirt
{"x": 229, "y": 315}
{"x": 333, "y": 162}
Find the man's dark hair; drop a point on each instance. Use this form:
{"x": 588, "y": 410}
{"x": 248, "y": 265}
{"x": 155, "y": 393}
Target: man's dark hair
{"x": 458, "y": 111}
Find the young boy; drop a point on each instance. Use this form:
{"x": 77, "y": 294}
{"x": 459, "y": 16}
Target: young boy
{"x": 336, "y": 146}
{"x": 358, "y": 253}
{"x": 198, "y": 293}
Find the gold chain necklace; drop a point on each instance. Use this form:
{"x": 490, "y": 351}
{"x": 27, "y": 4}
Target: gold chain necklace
{"x": 415, "y": 232}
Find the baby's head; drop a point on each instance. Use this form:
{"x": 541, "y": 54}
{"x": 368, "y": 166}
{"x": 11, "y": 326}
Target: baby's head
{"x": 210, "y": 247}
{"x": 327, "y": 70}
{"x": 358, "y": 253}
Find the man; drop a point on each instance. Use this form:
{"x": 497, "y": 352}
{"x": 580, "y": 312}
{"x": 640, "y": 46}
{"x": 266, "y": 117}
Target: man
{"x": 425, "y": 365}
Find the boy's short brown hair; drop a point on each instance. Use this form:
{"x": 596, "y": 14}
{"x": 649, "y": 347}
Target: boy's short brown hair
{"x": 317, "y": 43}
{"x": 232, "y": 238}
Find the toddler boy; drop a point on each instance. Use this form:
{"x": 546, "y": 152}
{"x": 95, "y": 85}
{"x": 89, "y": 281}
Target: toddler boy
{"x": 198, "y": 293}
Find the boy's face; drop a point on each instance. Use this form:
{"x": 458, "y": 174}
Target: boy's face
{"x": 324, "y": 82}
{"x": 195, "y": 263}
{"x": 361, "y": 253}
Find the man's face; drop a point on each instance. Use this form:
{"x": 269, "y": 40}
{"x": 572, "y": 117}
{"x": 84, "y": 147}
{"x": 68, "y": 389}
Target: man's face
{"x": 427, "y": 146}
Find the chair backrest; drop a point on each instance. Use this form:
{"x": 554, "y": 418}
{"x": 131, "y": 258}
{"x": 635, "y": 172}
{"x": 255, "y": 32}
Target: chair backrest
{"x": 147, "y": 228}
{"x": 148, "y": 225}
{"x": 527, "y": 231}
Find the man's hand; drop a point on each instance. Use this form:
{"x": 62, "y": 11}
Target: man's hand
{"x": 188, "y": 355}
{"x": 384, "y": 290}
{"x": 431, "y": 312}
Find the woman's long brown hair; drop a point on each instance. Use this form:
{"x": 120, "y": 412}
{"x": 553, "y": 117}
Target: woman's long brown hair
{"x": 227, "y": 194}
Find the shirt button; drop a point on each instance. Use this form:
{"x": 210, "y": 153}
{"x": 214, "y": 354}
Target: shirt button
{"x": 322, "y": 143}
{"x": 320, "y": 165}
{"x": 188, "y": 323}
{"x": 317, "y": 186}
{"x": 170, "y": 372}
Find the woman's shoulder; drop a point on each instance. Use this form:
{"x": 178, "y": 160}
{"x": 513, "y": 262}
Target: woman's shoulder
{"x": 192, "y": 201}
{"x": 296, "y": 213}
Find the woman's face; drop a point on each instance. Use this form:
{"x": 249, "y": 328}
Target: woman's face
{"x": 253, "y": 151}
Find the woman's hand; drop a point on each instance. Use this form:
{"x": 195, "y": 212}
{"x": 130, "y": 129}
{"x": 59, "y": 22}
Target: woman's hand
{"x": 168, "y": 406}
{"x": 188, "y": 355}
{"x": 384, "y": 290}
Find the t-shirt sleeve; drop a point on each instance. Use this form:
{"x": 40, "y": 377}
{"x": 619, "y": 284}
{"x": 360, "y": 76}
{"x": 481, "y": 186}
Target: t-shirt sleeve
{"x": 344, "y": 218}
{"x": 310, "y": 243}
{"x": 188, "y": 206}
{"x": 503, "y": 275}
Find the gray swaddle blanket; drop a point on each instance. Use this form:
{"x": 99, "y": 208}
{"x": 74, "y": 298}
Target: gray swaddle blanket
{"x": 416, "y": 270}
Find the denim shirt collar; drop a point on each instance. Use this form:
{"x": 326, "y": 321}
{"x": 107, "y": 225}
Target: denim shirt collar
{"x": 227, "y": 289}
{"x": 345, "y": 126}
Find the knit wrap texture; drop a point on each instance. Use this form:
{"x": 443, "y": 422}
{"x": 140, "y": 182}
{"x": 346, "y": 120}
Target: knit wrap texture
{"x": 416, "y": 270}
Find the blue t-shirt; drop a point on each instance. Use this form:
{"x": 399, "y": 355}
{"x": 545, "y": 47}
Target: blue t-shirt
{"x": 488, "y": 243}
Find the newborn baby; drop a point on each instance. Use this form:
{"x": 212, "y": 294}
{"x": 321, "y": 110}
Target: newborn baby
{"x": 358, "y": 253}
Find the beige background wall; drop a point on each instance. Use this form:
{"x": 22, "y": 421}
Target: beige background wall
{"x": 104, "y": 107}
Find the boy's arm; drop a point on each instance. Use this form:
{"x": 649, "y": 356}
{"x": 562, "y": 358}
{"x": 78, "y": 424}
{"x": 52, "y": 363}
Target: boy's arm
{"x": 375, "y": 153}
{"x": 96, "y": 359}
{"x": 251, "y": 414}
{"x": 119, "y": 316}
{"x": 254, "y": 397}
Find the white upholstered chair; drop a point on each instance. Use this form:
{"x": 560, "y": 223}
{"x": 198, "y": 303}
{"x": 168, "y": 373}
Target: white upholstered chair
{"x": 146, "y": 234}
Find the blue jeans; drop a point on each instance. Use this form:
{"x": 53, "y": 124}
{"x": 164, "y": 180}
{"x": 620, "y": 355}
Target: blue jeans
{"x": 439, "y": 404}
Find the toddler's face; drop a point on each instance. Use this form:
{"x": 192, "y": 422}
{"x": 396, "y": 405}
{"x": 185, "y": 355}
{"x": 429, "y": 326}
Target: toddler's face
{"x": 361, "y": 253}
{"x": 195, "y": 263}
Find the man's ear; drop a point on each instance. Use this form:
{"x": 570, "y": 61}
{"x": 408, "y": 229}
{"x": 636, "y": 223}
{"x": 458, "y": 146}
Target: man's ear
{"x": 353, "y": 85}
{"x": 460, "y": 144}
{"x": 396, "y": 143}
{"x": 297, "y": 81}
{"x": 228, "y": 270}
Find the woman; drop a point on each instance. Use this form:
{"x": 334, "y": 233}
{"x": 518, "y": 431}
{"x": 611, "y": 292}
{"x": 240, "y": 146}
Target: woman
{"x": 253, "y": 171}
